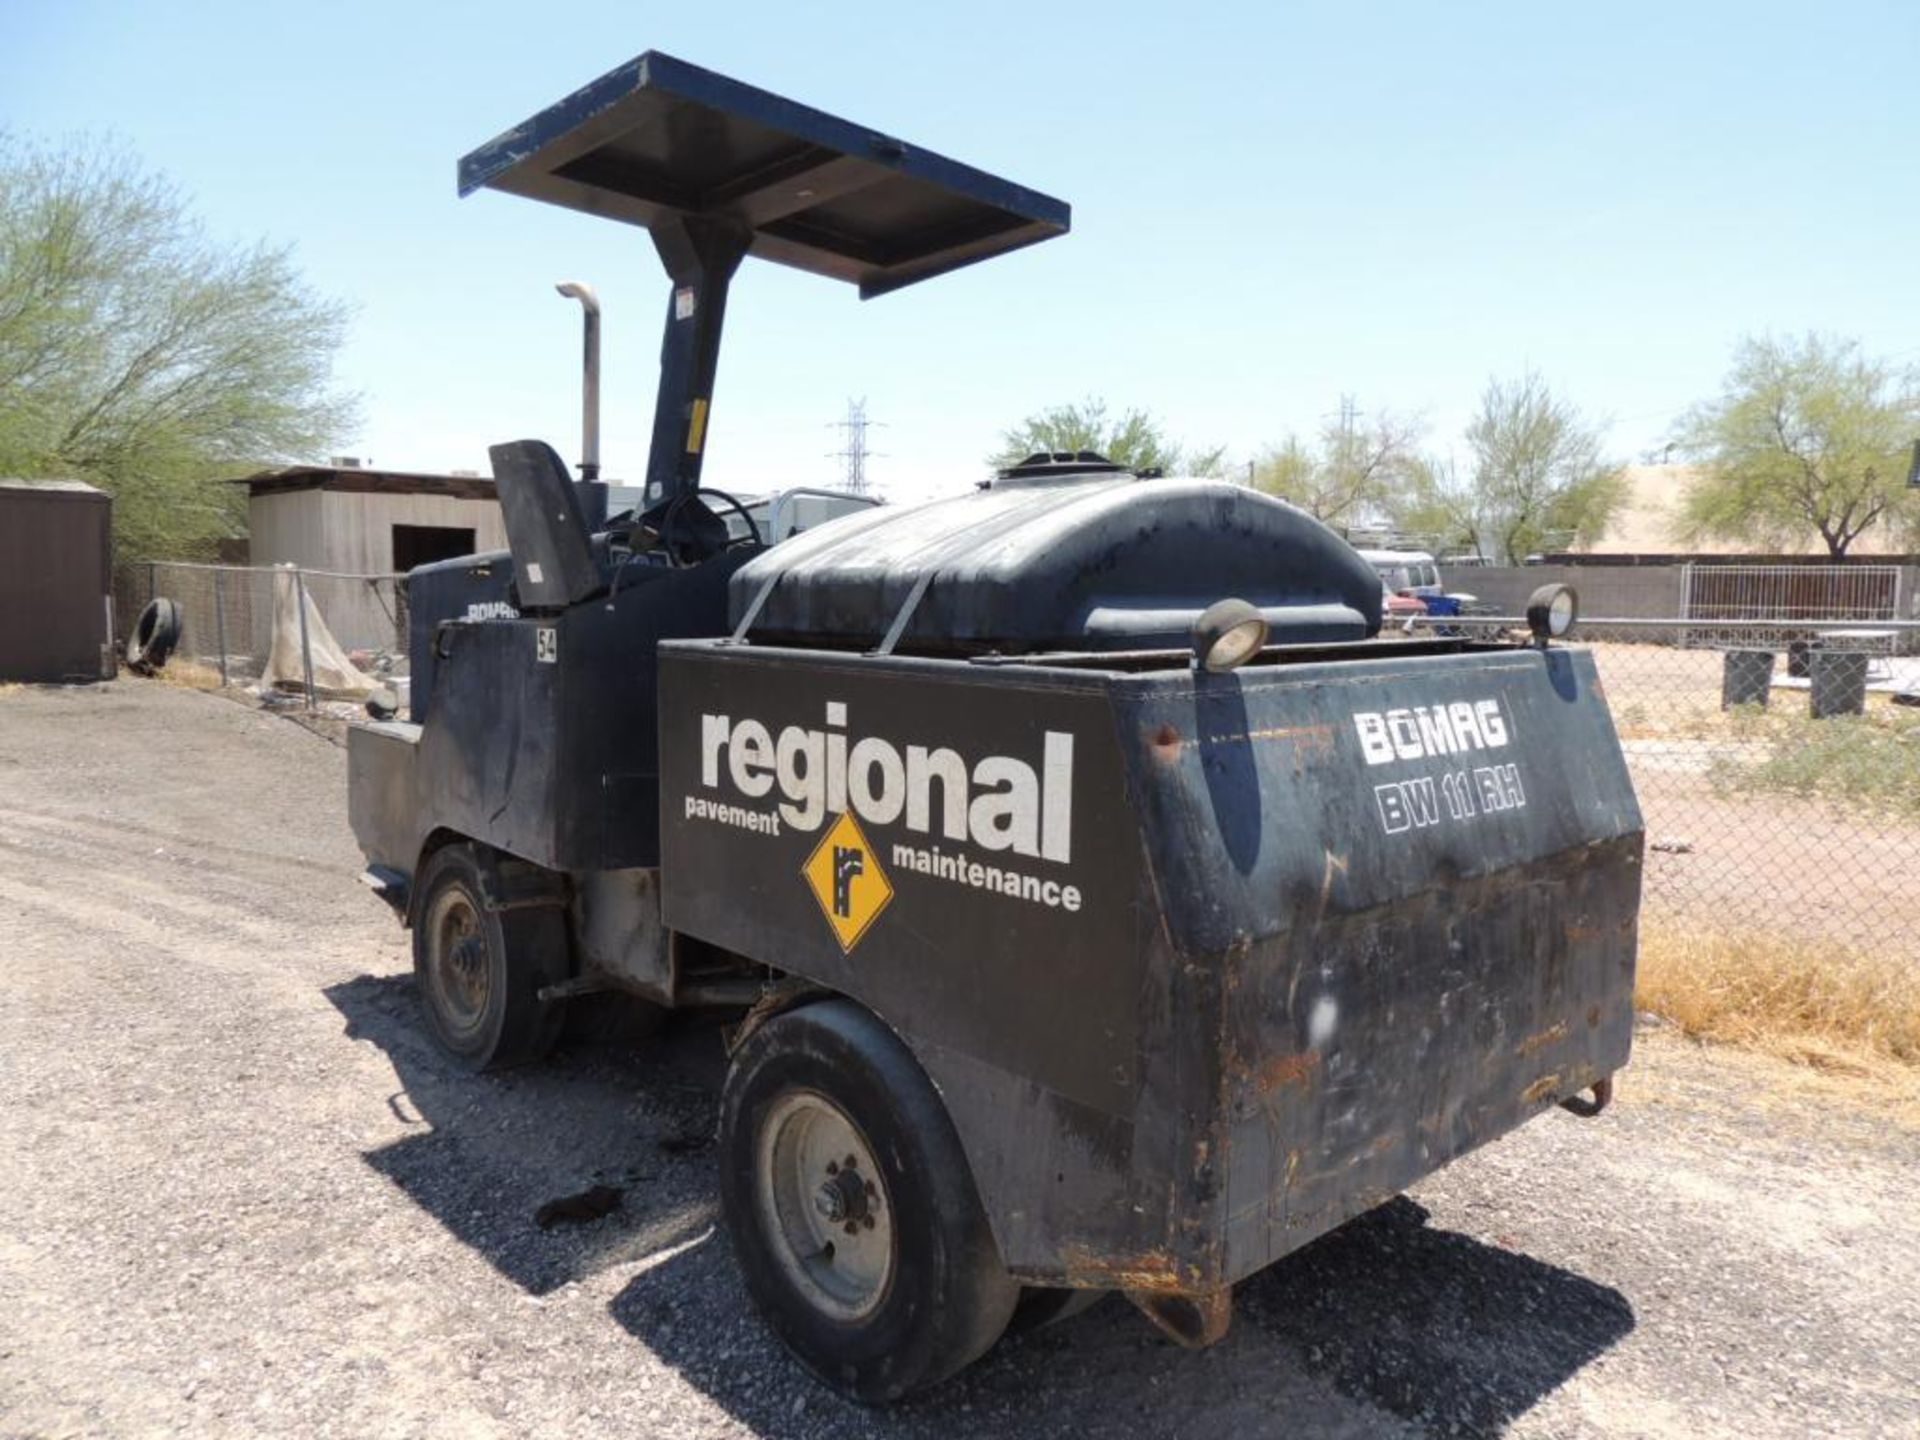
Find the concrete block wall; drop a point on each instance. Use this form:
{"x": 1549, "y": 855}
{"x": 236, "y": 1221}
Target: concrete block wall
{"x": 1630, "y": 592}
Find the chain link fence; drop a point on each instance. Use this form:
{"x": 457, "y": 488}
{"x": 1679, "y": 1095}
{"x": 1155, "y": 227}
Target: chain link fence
{"x": 1778, "y": 769}
{"x": 1777, "y": 761}
{"x": 274, "y": 629}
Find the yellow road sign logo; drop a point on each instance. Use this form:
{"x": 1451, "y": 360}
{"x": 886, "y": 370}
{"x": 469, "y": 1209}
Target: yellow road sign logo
{"x": 845, "y": 877}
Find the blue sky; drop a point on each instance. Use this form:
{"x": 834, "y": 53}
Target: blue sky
{"x": 1273, "y": 204}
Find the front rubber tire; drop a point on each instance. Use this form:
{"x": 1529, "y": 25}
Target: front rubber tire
{"x": 479, "y": 971}
{"x": 943, "y": 1298}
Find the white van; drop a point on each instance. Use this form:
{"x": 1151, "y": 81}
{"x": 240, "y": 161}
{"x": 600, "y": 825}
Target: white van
{"x": 1406, "y": 572}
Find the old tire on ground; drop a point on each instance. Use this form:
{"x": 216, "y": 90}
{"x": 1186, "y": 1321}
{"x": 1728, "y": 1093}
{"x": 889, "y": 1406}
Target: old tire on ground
{"x": 881, "y": 1275}
{"x": 479, "y": 972}
{"x": 154, "y": 635}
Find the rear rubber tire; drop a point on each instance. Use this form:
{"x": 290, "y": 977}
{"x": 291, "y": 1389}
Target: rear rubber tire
{"x": 944, "y": 1297}
{"x": 479, "y": 971}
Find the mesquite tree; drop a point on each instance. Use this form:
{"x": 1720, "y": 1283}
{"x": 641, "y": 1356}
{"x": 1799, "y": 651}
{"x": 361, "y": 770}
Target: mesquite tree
{"x": 138, "y": 354}
{"x": 1807, "y": 435}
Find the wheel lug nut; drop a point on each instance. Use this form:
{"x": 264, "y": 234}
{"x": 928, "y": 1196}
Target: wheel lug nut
{"x": 833, "y": 1167}
{"x": 853, "y": 1227}
{"x": 853, "y": 1162}
{"x": 868, "y": 1222}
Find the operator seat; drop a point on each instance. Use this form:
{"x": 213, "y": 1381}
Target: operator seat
{"x": 553, "y": 561}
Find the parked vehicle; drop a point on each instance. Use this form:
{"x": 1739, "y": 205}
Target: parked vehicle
{"x": 1396, "y": 606}
{"x": 790, "y": 512}
{"x": 1405, "y": 572}
{"x": 1098, "y": 904}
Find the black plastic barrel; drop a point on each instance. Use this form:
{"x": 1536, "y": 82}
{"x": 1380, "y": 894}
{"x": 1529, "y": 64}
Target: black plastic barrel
{"x": 1746, "y": 679}
{"x": 1839, "y": 683}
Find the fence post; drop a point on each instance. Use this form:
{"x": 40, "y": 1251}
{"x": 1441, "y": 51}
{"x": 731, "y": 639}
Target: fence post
{"x": 306, "y": 647}
{"x": 1684, "y": 635}
{"x": 153, "y": 582}
{"x": 220, "y": 624}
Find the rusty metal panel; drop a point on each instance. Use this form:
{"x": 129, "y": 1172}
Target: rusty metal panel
{"x": 55, "y": 582}
{"x": 1407, "y": 893}
{"x": 989, "y": 905}
{"x": 1334, "y": 923}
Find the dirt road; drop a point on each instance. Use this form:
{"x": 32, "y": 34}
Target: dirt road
{"x": 240, "y": 1195}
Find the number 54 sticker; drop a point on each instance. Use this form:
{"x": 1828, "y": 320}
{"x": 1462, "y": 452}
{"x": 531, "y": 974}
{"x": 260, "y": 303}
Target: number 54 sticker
{"x": 546, "y": 644}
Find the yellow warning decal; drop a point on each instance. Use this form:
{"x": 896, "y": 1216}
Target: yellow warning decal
{"x": 697, "y": 427}
{"x": 845, "y": 877}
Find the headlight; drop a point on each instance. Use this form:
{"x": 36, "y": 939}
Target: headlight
{"x": 1552, "y": 611}
{"x": 1228, "y": 633}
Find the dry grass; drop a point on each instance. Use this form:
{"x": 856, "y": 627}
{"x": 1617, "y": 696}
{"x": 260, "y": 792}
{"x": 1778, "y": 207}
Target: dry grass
{"x": 1859, "y": 1100}
{"x": 1826, "y": 1006}
{"x": 185, "y": 674}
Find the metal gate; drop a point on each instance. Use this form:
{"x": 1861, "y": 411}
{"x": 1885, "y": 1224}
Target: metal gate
{"x": 1816, "y": 594}
{"x": 1791, "y": 592}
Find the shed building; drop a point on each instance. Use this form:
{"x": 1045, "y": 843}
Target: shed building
{"x": 353, "y": 521}
{"x": 56, "y": 582}
{"x": 349, "y": 520}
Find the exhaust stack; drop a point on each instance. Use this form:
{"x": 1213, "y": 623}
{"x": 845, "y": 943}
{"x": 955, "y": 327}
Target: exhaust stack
{"x": 589, "y": 376}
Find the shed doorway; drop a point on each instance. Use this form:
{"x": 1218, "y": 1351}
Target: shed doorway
{"x": 423, "y": 544}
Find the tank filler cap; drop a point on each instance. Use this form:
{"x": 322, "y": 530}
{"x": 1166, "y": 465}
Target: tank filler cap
{"x": 1061, "y": 465}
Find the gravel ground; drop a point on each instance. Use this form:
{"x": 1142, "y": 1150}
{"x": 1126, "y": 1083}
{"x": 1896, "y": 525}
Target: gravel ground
{"x": 241, "y": 1195}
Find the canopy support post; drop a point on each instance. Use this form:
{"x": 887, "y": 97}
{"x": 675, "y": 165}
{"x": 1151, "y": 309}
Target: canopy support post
{"x": 700, "y": 253}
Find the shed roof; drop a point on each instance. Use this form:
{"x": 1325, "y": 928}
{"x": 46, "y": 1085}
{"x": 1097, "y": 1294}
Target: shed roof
{"x": 354, "y": 479}
{"x": 77, "y": 488}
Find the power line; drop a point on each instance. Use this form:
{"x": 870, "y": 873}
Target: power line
{"x": 855, "y": 451}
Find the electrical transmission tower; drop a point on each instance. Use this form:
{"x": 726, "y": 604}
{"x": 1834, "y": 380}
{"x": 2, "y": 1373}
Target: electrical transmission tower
{"x": 855, "y": 451}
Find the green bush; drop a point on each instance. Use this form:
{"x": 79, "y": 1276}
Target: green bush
{"x": 1867, "y": 761}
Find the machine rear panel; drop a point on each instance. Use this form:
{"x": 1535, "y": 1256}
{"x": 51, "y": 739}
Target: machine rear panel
{"x": 1331, "y": 924}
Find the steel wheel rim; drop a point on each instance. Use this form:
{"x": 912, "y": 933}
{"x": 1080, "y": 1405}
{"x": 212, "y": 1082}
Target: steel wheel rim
{"x": 828, "y": 1221}
{"x": 457, "y": 961}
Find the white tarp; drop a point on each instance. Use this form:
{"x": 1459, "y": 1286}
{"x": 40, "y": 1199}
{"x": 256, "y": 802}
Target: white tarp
{"x": 334, "y": 675}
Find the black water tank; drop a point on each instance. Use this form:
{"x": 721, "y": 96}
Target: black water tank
{"x": 1086, "y": 561}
